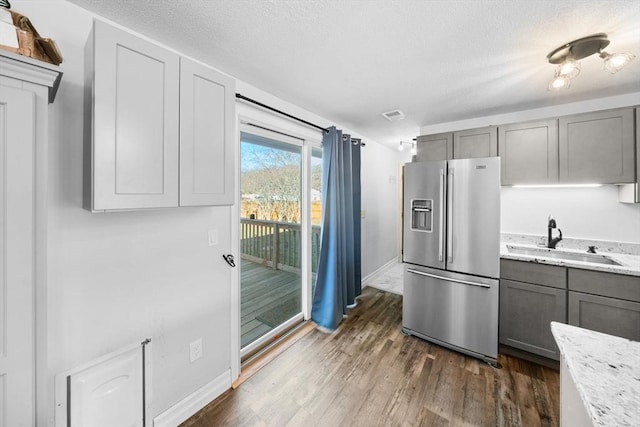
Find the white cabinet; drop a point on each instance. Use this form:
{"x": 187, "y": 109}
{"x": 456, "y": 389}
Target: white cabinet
{"x": 26, "y": 87}
{"x": 207, "y": 125}
{"x": 161, "y": 127}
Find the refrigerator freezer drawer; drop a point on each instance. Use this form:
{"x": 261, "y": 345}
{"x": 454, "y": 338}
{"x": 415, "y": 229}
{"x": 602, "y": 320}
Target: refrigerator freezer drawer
{"x": 452, "y": 308}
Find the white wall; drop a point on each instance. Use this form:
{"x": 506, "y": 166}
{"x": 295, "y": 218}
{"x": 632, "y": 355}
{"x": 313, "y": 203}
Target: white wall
{"x": 381, "y": 194}
{"x": 582, "y": 213}
{"x": 116, "y": 278}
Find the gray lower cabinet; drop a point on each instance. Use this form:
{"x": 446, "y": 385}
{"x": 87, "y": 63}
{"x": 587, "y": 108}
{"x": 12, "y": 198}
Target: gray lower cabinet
{"x": 603, "y": 314}
{"x": 532, "y": 296}
{"x": 529, "y": 152}
{"x": 598, "y": 147}
{"x": 605, "y": 302}
{"x": 526, "y": 311}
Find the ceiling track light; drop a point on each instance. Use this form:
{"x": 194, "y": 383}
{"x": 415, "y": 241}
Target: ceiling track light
{"x": 568, "y": 55}
{"x": 411, "y": 143}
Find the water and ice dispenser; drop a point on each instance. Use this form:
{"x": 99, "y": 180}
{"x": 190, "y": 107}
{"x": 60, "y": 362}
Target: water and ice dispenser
{"x": 422, "y": 215}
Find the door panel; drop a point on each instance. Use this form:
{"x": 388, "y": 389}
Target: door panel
{"x": 447, "y": 307}
{"x": 473, "y": 217}
{"x": 271, "y": 235}
{"x": 16, "y": 257}
{"x": 424, "y": 213}
{"x": 135, "y": 122}
{"x": 207, "y": 139}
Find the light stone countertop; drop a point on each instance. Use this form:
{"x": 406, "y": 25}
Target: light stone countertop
{"x": 627, "y": 254}
{"x": 631, "y": 263}
{"x": 606, "y": 372}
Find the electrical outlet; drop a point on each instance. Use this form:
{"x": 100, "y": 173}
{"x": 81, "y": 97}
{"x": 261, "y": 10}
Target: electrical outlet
{"x": 195, "y": 350}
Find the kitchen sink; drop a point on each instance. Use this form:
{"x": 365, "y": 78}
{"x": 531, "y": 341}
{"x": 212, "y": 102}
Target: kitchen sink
{"x": 563, "y": 255}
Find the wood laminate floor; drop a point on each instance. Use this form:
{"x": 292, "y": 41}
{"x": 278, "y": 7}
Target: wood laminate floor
{"x": 368, "y": 374}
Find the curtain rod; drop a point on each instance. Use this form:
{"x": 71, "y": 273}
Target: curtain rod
{"x": 275, "y": 110}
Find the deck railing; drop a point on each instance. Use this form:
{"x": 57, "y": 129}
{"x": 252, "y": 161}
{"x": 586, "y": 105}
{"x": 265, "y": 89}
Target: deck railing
{"x": 276, "y": 244}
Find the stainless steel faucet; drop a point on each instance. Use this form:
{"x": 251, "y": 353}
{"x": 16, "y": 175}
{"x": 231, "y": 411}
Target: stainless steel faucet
{"x": 552, "y": 242}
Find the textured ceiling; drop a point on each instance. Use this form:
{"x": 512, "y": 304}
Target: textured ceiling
{"x": 350, "y": 60}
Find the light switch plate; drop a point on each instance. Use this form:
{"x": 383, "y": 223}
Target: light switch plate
{"x": 213, "y": 237}
{"x": 195, "y": 350}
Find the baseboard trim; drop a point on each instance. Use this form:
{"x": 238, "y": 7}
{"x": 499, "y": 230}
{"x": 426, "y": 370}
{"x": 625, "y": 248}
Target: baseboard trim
{"x": 187, "y": 407}
{"x": 381, "y": 270}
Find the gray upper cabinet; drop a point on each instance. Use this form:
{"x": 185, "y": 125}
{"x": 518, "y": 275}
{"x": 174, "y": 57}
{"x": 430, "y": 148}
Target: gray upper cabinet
{"x": 529, "y": 152}
{"x": 598, "y": 147}
{"x": 630, "y": 193}
{"x": 162, "y": 127}
{"x": 434, "y": 147}
{"x": 472, "y": 143}
{"x": 133, "y": 152}
{"x": 206, "y": 136}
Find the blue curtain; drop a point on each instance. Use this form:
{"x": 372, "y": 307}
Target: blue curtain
{"x": 339, "y": 278}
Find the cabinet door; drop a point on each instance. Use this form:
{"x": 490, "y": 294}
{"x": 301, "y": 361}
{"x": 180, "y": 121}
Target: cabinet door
{"x": 529, "y": 152}
{"x": 17, "y": 262}
{"x": 472, "y": 143}
{"x": 526, "y": 312}
{"x": 434, "y": 147}
{"x": 134, "y": 151}
{"x": 598, "y": 147}
{"x": 207, "y": 136}
{"x": 603, "y": 314}
{"x": 630, "y": 193}
{"x": 532, "y": 272}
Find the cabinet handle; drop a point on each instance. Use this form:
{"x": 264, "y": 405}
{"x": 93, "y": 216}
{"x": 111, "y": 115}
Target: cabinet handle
{"x": 450, "y": 180}
{"x": 441, "y": 211}
{"x": 447, "y": 279}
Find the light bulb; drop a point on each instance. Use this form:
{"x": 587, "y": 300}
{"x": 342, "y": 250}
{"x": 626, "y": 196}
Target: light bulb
{"x": 615, "y": 62}
{"x": 559, "y": 82}
{"x": 400, "y": 147}
{"x": 569, "y": 68}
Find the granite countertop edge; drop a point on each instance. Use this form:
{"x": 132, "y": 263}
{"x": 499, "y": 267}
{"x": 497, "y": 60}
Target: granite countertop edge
{"x": 607, "y": 376}
{"x": 631, "y": 262}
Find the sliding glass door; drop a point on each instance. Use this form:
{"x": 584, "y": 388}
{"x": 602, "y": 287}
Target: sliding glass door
{"x": 271, "y": 210}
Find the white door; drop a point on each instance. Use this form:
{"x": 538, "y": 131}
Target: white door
{"x": 16, "y": 257}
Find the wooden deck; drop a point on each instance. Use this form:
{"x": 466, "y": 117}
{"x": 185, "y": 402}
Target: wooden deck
{"x": 263, "y": 291}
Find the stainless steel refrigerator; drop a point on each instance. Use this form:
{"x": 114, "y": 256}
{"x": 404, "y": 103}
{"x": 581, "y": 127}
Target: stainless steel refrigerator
{"x": 451, "y": 250}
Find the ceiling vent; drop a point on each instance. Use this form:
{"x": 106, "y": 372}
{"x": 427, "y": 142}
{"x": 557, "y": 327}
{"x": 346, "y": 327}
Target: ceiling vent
{"x": 394, "y": 115}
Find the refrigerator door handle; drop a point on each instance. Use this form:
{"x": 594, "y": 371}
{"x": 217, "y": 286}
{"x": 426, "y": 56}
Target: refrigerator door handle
{"x": 450, "y": 180}
{"x": 441, "y": 227}
{"x": 448, "y": 279}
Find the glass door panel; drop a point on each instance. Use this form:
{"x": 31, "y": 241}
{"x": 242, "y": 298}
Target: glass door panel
{"x": 271, "y": 235}
{"x": 316, "y": 211}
